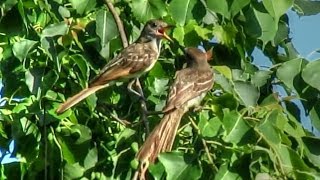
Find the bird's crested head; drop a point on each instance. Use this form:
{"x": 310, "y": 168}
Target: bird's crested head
{"x": 155, "y": 29}
{"x": 196, "y": 56}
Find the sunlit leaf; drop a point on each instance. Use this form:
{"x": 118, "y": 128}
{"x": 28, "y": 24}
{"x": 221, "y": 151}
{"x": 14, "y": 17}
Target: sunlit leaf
{"x": 182, "y": 10}
{"x": 247, "y": 93}
{"x": 83, "y": 6}
{"x": 311, "y": 74}
{"x": 235, "y": 126}
{"x": 21, "y": 49}
{"x": 148, "y": 9}
{"x": 178, "y": 166}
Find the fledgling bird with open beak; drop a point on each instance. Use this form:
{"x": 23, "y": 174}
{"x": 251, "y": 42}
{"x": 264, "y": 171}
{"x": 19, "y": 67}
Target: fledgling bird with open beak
{"x": 133, "y": 61}
{"x": 189, "y": 88}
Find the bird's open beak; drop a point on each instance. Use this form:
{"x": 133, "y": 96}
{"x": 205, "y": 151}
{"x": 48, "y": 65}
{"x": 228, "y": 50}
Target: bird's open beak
{"x": 163, "y": 33}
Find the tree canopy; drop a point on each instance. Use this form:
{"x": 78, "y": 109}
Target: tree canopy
{"x": 49, "y": 50}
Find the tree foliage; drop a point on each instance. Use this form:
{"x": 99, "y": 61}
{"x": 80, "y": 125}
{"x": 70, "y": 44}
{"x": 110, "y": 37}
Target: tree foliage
{"x": 245, "y": 129}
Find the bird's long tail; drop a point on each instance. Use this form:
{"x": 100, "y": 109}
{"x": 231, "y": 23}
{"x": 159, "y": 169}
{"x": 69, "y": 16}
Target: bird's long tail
{"x": 162, "y": 137}
{"x": 77, "y": 98}
{"x": 160, "y": 140}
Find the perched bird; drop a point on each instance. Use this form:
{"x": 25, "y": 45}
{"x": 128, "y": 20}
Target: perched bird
{"x": 189, "y": 88}
{"x": 133, "y": 61}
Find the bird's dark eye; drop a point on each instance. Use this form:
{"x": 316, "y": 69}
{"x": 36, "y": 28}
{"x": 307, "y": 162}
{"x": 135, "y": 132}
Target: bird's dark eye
{"x": 153, "y": 24}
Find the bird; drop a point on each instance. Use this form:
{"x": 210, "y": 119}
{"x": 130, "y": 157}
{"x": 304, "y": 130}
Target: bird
{"x": 188, "y": 89}
{"x": 132, "y": 62}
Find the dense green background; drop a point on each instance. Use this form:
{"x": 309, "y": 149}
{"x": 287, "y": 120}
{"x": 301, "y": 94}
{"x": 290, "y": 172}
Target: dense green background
{"x": 49, "y": 50}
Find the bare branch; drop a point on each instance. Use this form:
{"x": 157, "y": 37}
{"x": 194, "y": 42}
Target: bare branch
{"x": 118, "y": 22}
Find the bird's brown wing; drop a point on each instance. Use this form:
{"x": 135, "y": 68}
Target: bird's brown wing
{"x": 130, "y": 62}
{"x": 188, "y": 85}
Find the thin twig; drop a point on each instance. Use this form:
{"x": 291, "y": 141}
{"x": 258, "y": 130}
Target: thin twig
{"x": 118, "y": 22}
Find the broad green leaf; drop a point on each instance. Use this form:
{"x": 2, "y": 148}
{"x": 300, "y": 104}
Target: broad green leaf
{"x": 269, "y": 133}
{"x": 83, "y": 131}
{"x": 52, "y": 30}
{"x": 292, "y": 163}
{"x": 184, "y": 10}
{"x": 315, "y": 116}
{"x": 268, "y": 26}
{"x": 225, "y": 34}
{"x": 277, "y": 8}
{"x": 33, "y": 79}
{"x": 224, "y": 70}
{"x": 145, "y": 10}
{"x": 160, "y": 86}
{"x": 49, "y": 80}
{"x": 209, "y": 128}
{"x": 311, "y": 74}
{"x": 225, "y": 174}
{"x": 106, "y": 27}
{"x": 73, "y": 171}
{"x": 178, "y": 34}
{"x": 237, "y": 5}
{"x": 247, "y": 93}
{"x": 178, "y": 166}
{"x": 64, "y": 12}
{"x": 83, "y": 6}
{"x": 219, "y": 6}
{"x": 260, "y": 78}
{"x": 91, "y": 159}
{"x": 81, "y": 62}
{"x": 124, "y": 135}
{"x": 223, "y": 82}
{"x": 288, "y": 71}
{"x": 312, "y": 149}
{"x": 235, "y": 126}
{"x": 21, "y": 49}
{"x": 307, "y": 8}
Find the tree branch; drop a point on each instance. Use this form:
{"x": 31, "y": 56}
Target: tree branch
{"x": 118, "y": 22}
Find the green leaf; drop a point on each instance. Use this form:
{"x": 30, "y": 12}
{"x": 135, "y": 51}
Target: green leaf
{"x": 224, "y": 70}
{"x": 83, "y": 6}
{"x": 237, "y": 6}
{"x": 247, "y": 93}
{"x": 312, "y": 149}
{"x": 49, "y": 80}
{"x": 73, "y": 171}
{"x": 235, "y": 126}
{"x": 219, "y": 6}
{"x": 209, "y": 128}
{"x": 145, "y": 10}
{"x": 106, "y": 27}
{"x": 292, "y": 163}
{"x": 52, "y": 30}
{"x": 268, "y": 26}
{"x": 277, "y": 8}
{"x": 260, "y": 78}
{"x": 181, "y": 167}
{"x": 21, "y": 49}
{"x": 269, "y": 133}
{"x": 225, "y": 174}
{"x": 33, "y": 79}
{"x": 91, "y": 159}
{"x": 315, "y": 115}
{"x": 81, "y": 62}
{"x": 184, "y": 10}
{"x": 307, "y": 8}
{"x": 288, "y": 71}
{"x": 311, "y": 74}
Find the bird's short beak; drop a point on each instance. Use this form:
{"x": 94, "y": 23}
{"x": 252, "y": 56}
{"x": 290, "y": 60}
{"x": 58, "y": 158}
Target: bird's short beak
{"x": 163, "y": 33}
